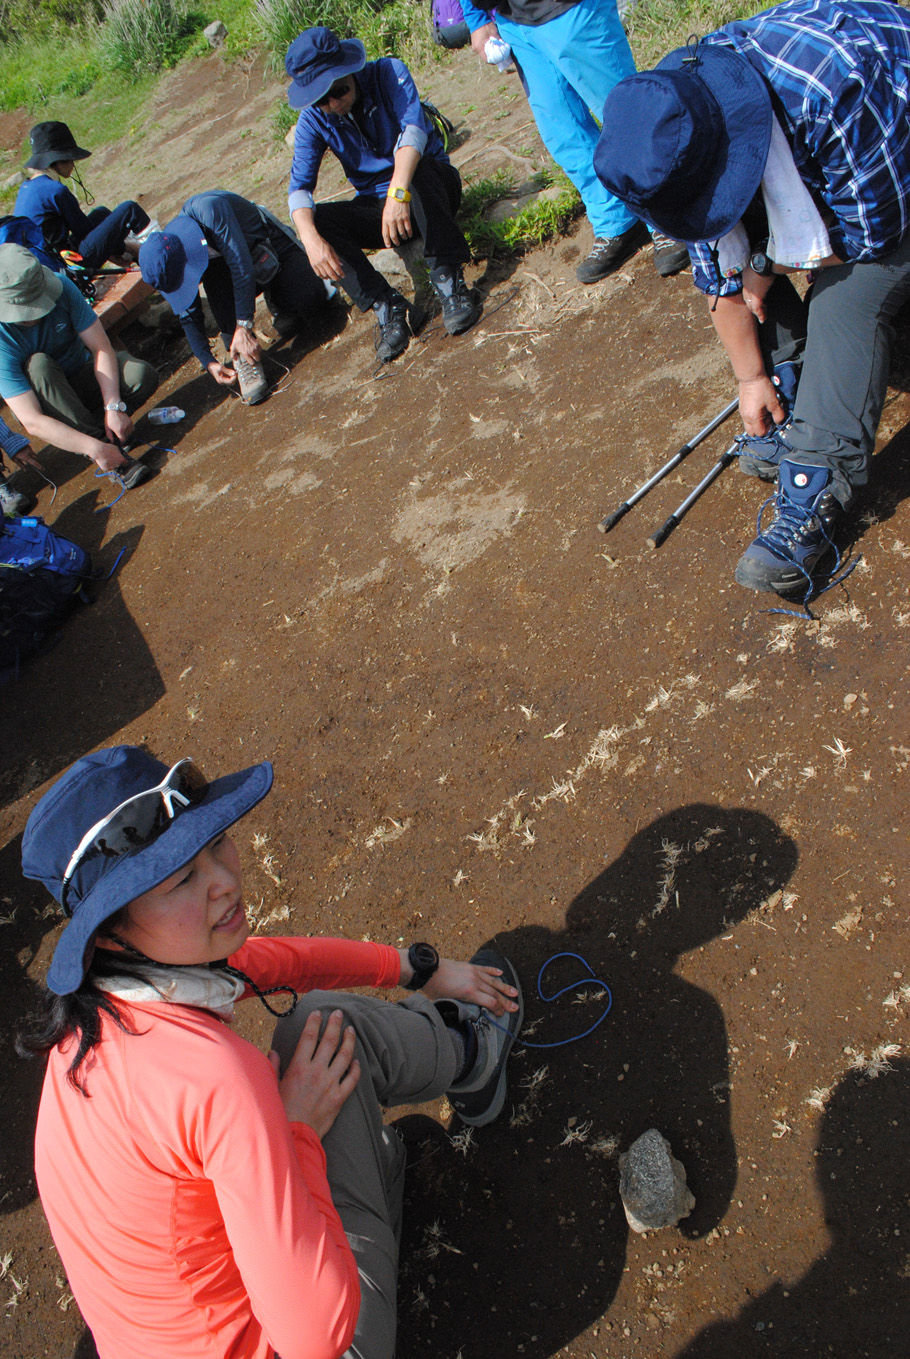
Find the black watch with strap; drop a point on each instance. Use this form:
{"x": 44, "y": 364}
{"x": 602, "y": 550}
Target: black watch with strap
{"x": 761, "y": 264}
{"x": 423, "y": 961}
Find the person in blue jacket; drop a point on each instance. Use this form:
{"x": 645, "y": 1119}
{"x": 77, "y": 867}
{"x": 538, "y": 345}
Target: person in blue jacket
{"x": 369, "y": 114}
{"x": 103, "y": 233}
{"x": 236, "y": 249}
{"x": 570, "y": 54}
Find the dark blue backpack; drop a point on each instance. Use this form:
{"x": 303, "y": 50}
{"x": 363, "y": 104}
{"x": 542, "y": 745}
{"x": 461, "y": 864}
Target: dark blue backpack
{"x": 41, "y": 576}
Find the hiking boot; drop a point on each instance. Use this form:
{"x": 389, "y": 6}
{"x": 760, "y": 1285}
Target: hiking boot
{"x": 130, "y": 474}
{"x": 669, "y": 256}
{"x": 760, "y": 455}
{"x": 479, "y": 1096}
{"x": 784, "y": 557}
{"x": 251, "y": 379}
{"x": 392, "y": 320}
{"x": 285, "y": 324}
{"x": 461, "y": 306}
{"x": 14, "y": 503}
{"x": 609, "y": 252}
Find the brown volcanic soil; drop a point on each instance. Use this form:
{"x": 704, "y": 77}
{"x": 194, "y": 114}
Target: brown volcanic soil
{"x": 490, "y": 721}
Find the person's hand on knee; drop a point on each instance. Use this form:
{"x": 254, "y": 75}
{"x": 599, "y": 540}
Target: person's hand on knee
{"x": 396, "y": 222}
{"x": 321, "y": 1074}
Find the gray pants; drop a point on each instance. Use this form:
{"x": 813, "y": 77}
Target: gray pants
{"x": 76, "y": 399}
{"x": 842, "y": 389}
{"x": 407, "y": 1056}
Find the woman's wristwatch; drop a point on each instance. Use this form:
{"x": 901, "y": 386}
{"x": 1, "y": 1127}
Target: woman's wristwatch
{"x": 423, "y": 961}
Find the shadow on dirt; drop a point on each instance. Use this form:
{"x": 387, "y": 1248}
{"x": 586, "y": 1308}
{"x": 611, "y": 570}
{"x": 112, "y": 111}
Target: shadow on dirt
{"x": 98, "y": 676}
{"x": 525, "y": 1236}
{"x": 854, "y": 1299}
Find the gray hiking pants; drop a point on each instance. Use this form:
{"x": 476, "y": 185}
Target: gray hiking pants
{"x": 76, "y": 399}
{"x": 407, "y": 1056}
{"x": 849, "y": 334}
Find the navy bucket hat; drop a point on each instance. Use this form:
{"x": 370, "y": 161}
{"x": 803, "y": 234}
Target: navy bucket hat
{"x": 99, "y": 886}
{"x": 685, "y": 145}
{"x": 315, "y": 60}
{"x": 173, "y": 261}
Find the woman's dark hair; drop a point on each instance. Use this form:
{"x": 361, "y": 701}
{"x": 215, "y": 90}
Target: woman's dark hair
{"x": 58, "y": 1017}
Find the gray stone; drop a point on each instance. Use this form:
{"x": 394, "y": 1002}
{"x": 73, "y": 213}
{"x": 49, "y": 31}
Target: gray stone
{"x": 652, "y": 1184}
{"x": 13, "y": 181}
{"x": 507, "y": 208}
{"x": 216, "y": 33}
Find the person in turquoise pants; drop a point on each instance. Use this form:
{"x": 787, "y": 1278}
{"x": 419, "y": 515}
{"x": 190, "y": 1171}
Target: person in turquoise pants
{"x": 570, "y": 54}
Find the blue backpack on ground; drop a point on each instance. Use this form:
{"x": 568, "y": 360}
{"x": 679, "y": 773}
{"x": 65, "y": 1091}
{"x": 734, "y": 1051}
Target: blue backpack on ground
{"x": 41, "y": 576}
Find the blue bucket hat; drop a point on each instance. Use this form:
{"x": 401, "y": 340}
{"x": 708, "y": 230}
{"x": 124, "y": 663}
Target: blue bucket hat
{"x": 89, "y": 791}
{"x": 174, "y": 259}
{"x": 685, "y": 145}
{"x": 315, "y": 60}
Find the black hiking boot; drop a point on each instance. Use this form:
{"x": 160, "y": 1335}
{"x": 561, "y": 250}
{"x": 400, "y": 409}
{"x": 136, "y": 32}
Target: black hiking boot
{"x": 392, "y": 321}
{"x": 461, "y": 306}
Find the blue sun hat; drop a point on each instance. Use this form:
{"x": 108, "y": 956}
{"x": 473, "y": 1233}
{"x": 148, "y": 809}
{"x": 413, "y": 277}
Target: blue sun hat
{"x": 174, "y": 259}
{"x": 116, "y": 825}
{"x": 685, "y": 145}
{"x": 315, "y": 60}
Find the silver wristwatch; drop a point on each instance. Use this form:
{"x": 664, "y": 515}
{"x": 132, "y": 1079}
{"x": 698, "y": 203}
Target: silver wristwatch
{"x": 245, "y": 325}
{"x": 115, "y": 405}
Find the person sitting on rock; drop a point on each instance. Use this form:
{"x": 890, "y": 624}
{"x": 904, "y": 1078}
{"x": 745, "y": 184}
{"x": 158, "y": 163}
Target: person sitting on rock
{"x": 802, "y": 113}
{"x": 102, "y": 234}
{"x": 58, "y": 373}
{"x": 236, "y": 249}
{"x": 369, "y": 114}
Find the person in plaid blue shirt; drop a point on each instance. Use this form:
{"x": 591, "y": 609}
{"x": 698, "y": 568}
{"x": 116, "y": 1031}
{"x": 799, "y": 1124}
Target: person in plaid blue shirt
{"x": 778, "y": 144}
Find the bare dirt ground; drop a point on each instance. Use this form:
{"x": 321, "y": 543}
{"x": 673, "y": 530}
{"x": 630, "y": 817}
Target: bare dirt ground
{"x": 490, "y": 721}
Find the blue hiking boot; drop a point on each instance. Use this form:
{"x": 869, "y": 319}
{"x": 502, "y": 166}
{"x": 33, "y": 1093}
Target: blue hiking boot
{"x": 784, "y": 557}
{"x": 760, "y": 455}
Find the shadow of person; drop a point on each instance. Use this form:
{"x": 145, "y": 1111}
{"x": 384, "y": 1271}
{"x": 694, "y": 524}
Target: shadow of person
{"x": 855, "y": 1300}
{"x": 97, "y": 676}
{"x": 529, "y": 1227}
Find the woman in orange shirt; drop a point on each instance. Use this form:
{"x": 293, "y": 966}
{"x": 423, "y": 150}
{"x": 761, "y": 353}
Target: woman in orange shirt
{"x": 205, "y": 1200}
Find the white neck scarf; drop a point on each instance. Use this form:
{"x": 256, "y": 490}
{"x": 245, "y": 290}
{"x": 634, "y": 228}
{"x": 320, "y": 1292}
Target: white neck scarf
{"x": 197, "y": 986}
{"x": 797, "y": 234}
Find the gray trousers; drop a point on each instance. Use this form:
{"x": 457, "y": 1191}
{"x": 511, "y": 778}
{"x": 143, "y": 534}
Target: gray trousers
{"x": 76, "y": 399}
{"x": 849, "y": 334}
{"x": 407, "y": 1056}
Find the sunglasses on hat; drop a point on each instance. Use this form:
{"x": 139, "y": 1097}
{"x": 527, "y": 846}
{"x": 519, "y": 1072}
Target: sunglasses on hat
{"x": 139, "y": 820}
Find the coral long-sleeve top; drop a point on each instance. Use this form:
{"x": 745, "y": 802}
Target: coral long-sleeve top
{"x": 193, "y": 1219}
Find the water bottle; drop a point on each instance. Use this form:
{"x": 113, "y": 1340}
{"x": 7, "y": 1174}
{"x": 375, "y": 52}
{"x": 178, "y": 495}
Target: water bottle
{"x": 166, "y": 415}
{"x": 498, "y": 53}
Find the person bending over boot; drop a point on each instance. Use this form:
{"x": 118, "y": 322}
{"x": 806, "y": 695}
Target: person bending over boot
{"x": 100, "y": 235}
{"x": 206, "y": 1199}
{"x": 58, "y": 373}
{"x": 805, "y": 108}
{"x": 236, "y": 249}
{"x": 369, "y": 114}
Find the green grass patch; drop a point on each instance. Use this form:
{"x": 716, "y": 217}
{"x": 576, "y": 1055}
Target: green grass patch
{"x": 534, "y": 224}
{"x": 656, "y": 27}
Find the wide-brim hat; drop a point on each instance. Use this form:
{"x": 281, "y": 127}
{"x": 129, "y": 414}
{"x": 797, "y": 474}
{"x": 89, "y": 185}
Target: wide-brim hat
{"x": 174, "y": 259}
{"x": 89, "y": 791}
{"x": 51, "y": 142}
{"x": 28, "y": 290}
{"x": 315, "y": 60}
{"x": 685, "y": 145}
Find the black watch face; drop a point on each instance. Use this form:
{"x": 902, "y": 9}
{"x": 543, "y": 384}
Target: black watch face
{"x": 423, "y": 957}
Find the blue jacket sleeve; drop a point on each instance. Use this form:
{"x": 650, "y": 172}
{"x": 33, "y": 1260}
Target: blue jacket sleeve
{"x": 215, "y": 215}
{"x": 400, "y": 95}
{"x": 309, "y": 148}
{"x": 194, "y": 330}
{"x": 11, "y": 442}
{"x": 67, "y": 207}
{"x": 476, "y": 18}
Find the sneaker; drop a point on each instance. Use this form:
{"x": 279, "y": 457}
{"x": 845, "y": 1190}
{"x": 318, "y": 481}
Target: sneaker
{"x": 609, "y": 252}
{"x": 784, "y": 557}
{"x": 461, "y": 306}
{"x": 669, "y": 256}
{"x": 131, "y": 474}
{"x": 14, "y": 503}
{"x": 251, "y": 378}
{"x": 392, "y": 320}
{"x": 479, "y": 1096}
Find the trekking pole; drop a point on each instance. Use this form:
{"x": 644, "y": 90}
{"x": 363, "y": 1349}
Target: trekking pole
{"x": 606, "y": 524}
{"x": 663, "y": 533}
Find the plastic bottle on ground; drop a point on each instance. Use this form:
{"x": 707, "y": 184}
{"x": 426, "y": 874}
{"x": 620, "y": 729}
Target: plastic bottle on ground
{"x": 166, "y": 415}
